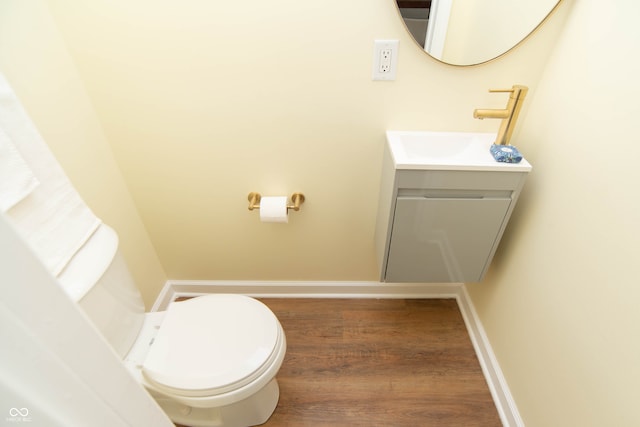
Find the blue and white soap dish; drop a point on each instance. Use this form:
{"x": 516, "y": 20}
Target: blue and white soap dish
{"x": 505, "y": 153}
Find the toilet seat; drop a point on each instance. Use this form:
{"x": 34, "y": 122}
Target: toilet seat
{"x": 212, "y": 345}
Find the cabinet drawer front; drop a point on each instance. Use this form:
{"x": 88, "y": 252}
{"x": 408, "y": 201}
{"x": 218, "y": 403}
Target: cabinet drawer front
{"x": 443, "y": 240}
{"x": 463, "y": 180}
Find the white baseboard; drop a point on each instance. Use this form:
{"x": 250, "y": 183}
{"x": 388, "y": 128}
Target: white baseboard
{"x": 496, "y": 381}
{"x": 500, "y": 392}
{"x": 288, "y": 289}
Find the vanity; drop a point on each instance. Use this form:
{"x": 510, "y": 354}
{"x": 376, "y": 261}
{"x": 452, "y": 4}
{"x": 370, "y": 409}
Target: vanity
{"x": 443, "y": 207}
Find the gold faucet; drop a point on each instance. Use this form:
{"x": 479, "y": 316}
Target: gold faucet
{"x": 508, "y": 115}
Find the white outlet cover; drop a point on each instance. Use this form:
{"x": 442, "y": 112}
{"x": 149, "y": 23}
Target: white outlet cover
{"x": 388, "y": 72}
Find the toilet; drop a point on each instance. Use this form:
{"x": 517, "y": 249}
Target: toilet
{"x": 208, "y": 361}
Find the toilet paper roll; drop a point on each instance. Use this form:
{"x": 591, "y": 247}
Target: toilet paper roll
{"x": 274, "y": 209}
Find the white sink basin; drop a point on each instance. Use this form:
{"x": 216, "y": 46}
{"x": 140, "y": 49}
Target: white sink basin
{"x": 447, "y": 151}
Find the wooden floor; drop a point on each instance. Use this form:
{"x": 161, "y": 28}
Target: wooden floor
{"x": 371, "y": 362}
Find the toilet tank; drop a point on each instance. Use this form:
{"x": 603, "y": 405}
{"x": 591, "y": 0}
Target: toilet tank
{"x": 98, "y": 279}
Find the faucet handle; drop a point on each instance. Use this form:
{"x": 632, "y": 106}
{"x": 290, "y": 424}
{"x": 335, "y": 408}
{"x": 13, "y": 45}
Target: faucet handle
{"x": 515, "y": 89}
{"x": 502, "y": 90}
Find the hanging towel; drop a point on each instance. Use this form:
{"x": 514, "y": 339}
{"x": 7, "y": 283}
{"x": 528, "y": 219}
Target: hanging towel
{"x": 52, "y": 218}
{"x": 16, "y": 178}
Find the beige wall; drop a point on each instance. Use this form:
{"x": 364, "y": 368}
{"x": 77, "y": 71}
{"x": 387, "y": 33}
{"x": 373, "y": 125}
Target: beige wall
{"x": 562, "y": 302}
{"x": 203, "y": 102}
{"x": 36, "y": 62}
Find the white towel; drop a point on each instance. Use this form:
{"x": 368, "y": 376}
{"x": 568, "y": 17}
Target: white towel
{"x": 16, "y": 179}
{"x": 53, "y": 218}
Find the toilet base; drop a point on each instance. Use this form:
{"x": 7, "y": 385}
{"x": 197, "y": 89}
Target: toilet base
{"x": 252, "y": 411}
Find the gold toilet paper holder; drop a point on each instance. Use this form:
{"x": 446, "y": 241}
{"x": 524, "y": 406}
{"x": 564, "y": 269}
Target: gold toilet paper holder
{"x": 296, "y": 200}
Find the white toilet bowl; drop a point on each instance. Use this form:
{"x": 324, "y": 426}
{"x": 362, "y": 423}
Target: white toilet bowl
{"x": 211, "y": 360}
{"x": 208, "y": 361}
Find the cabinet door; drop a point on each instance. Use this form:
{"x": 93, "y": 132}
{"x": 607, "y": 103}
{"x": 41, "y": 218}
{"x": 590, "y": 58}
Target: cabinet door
{"x": 440, "y": 240}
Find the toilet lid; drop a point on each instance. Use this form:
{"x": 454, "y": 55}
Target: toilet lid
{"x": 210, "y": 343}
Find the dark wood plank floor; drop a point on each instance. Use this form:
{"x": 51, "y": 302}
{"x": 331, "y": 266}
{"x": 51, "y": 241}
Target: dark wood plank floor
{"x": 369, "y": 362}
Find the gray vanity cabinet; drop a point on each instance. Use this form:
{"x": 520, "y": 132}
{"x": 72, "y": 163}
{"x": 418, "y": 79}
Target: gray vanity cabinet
{"x": 438, "y": 226}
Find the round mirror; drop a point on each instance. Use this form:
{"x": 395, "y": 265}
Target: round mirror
{"x": 468, "y": 32}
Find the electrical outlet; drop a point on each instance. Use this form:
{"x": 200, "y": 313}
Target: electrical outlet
{"x": 385, "y": 59}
